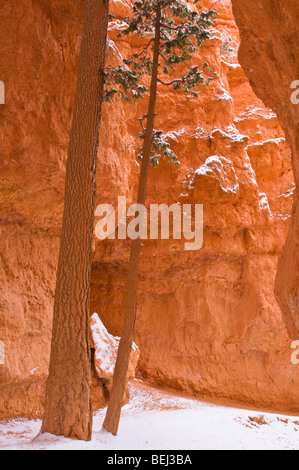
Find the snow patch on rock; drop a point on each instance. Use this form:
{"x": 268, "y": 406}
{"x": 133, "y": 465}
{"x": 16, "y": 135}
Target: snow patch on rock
{"x": 106, "y": 347}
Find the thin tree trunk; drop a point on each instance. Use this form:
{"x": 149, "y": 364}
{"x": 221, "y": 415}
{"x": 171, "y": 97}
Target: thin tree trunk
{"x": 112, "y": 418}
{"x": 68, "y": 393}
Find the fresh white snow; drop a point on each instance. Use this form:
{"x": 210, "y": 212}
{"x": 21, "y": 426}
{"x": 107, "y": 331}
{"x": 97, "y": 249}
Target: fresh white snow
{"x": 106, "y": 348}
{"x": 158, "y": 420}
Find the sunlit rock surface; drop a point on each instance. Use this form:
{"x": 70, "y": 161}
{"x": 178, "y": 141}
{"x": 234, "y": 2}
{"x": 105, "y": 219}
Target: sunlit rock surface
{"x": 269, "y": 54}
{"x": 106, "y": 347}
{"x": 208, "y": 322}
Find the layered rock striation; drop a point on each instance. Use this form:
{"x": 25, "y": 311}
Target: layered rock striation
{"x": 208, "y": 322}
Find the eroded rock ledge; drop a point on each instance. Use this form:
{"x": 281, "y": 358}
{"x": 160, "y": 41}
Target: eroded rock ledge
{"x": 208, "y": 322}
{"x": 269, "y": 54}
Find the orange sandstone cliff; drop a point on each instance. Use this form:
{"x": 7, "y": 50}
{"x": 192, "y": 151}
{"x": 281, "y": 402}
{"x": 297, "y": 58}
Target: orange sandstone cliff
{"x": 269, "y": 55}
{"x": 208, "y": 322}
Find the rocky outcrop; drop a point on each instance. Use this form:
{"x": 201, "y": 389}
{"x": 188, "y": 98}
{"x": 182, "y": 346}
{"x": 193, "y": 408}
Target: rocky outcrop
{"x": 269, "y": 56}
{"x": 208, "y": 322}
{"x": 105, "y": 353}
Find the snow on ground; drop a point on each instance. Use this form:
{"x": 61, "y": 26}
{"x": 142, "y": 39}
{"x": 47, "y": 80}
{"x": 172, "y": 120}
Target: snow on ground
{"x": 158, "y": 420}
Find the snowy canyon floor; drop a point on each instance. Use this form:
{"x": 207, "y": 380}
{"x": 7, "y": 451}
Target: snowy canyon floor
{"x": 155, "y": 419}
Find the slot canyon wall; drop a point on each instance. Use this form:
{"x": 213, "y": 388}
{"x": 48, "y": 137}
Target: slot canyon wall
{"x": 208, "y": 322}
{"x": 268, "y": 53}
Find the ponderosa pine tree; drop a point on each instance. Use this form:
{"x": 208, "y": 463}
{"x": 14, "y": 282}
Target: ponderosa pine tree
{"x": 68, "y": 392}
{"x": 173, "y": 31}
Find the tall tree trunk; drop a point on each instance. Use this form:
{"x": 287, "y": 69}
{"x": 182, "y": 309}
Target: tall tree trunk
{"x": 68, "y": 393}
{"x": 112, "y": 418}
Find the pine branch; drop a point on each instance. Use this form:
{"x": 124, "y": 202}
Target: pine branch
{"x": 178, "y": 80}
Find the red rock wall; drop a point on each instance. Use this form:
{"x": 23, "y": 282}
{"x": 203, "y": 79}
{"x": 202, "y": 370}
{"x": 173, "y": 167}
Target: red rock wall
{"x": 39, "y": 45}
{"x": 269, "y": 55}
{"x": 208, "y": 322}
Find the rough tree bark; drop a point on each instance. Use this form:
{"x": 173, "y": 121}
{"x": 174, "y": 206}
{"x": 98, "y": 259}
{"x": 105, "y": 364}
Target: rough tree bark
{"x": 68, "y": 393}
{"x": 112, "y": 418}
